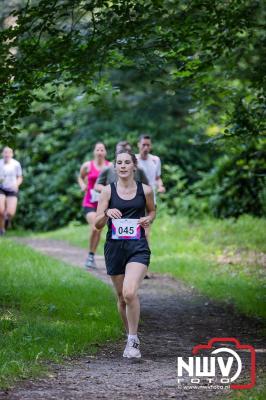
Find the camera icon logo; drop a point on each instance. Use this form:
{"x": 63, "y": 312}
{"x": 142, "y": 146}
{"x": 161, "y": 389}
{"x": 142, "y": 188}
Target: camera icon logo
{"x": 223, "y": 363}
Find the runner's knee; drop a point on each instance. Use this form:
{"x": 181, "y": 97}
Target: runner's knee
{"x": 129, "y": 295}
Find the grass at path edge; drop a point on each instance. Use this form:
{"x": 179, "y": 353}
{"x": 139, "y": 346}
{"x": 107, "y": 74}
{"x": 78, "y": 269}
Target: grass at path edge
{"x": 49, "y": 310}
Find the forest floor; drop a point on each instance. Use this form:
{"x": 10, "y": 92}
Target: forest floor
{"x": 174, "y": 318}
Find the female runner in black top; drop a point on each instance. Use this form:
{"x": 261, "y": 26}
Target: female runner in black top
{"x": 122, "y": 205}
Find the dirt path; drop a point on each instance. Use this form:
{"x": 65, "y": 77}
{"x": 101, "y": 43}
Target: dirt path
{"x": 174, "y": 319}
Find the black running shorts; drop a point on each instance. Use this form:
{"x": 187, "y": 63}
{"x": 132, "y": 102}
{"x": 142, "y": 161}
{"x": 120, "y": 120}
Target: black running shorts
{"x": 87, "y": 210}
{"x": 118, "y": 253}
{"x": 8, "y": 193}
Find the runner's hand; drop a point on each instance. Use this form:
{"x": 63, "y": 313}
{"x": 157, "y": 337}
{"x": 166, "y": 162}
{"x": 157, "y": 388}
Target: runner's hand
{"x": 145, "y": 222}
{"x": 83, "y": 187}
{"x": 15, "y": 188}
{"x": 161, "y": 189}
{"x": 114, "y": 213}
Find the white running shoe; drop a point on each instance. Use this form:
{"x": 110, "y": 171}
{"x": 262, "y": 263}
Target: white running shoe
{"x": 90, "y": 262}
{"x": 132, "y": 349}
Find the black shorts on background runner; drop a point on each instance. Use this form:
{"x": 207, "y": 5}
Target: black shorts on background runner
{"x": 8, "y": 193}
{"x": 87, "y": 210}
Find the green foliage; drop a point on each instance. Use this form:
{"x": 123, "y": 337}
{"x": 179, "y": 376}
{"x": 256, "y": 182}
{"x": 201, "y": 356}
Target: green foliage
{"x": 234, "y": 186}
{"x": 168, "y": 68}
{"x": 182, "y": 198}
{"x": 256, "y": 393}
{"x": 178, "y": 44}
{"x": 237, "y": 185}
{"x": 54, "y": 142}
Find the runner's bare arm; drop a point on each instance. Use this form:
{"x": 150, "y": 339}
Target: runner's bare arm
{"x": 19, "y": 181}
{"x": 150, "y": 207}
{"x": 101, "y": 180}
{"x": 98, "y": 187}
{"x": 160, "y": 185}
{"x": 103, "y": 212}
{"x": 84, "y": 170}
{"x": 158, "y": 179}
{"x": 103, "y": 202}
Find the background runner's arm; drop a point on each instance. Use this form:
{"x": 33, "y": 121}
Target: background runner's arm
{"x": 19, "y": 181}
{"x": 150, "y": 207}
{"x": 19, "y": 177}
{"x": 103, "y": 203}
{"x": 159, "y": 182}
{"x": 101, "y": 180}
{"x": 160, "y": 185}
{"x": 103, "y": 212}
{"x": 84, "y": 170}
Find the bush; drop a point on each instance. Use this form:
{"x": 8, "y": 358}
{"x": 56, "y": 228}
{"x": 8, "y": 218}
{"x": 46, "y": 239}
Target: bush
{"x": 235, "y": 186}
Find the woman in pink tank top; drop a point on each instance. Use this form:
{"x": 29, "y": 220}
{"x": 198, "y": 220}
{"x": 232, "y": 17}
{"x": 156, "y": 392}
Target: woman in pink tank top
{"x": 89, "y": 173}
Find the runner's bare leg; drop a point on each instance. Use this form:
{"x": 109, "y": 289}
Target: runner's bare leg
{"x": 11, "y": 206}
{"x": 2, "y": 211}
{"x": 135, "y": 273}
{"x": 95, "y": 234}
{"x": 121, "y": 304}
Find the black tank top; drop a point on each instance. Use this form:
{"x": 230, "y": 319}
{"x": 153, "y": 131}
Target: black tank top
{"x": 134, "y": 208}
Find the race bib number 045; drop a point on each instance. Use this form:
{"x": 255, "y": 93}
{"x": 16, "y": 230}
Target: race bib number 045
{"x": 127, "y": 229}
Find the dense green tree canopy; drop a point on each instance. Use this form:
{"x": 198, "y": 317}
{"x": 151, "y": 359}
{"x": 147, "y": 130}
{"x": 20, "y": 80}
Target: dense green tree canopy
{"x": 214, "y": 47}
{"x": 191, "y": 73}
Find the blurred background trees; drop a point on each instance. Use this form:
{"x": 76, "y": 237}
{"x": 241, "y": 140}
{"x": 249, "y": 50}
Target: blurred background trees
{"x": 189, "y": 73}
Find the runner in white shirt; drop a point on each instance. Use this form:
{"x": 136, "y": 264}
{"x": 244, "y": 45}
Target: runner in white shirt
{"x": 10, "y": 180}
{"x": 151, "y": 165}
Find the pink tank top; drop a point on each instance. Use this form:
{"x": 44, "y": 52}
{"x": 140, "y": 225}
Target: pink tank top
{"x": 92, "y": 177}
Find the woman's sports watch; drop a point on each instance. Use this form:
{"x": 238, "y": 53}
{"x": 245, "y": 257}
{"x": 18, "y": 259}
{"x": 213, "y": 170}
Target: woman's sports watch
{"x": 105, "y": 212}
